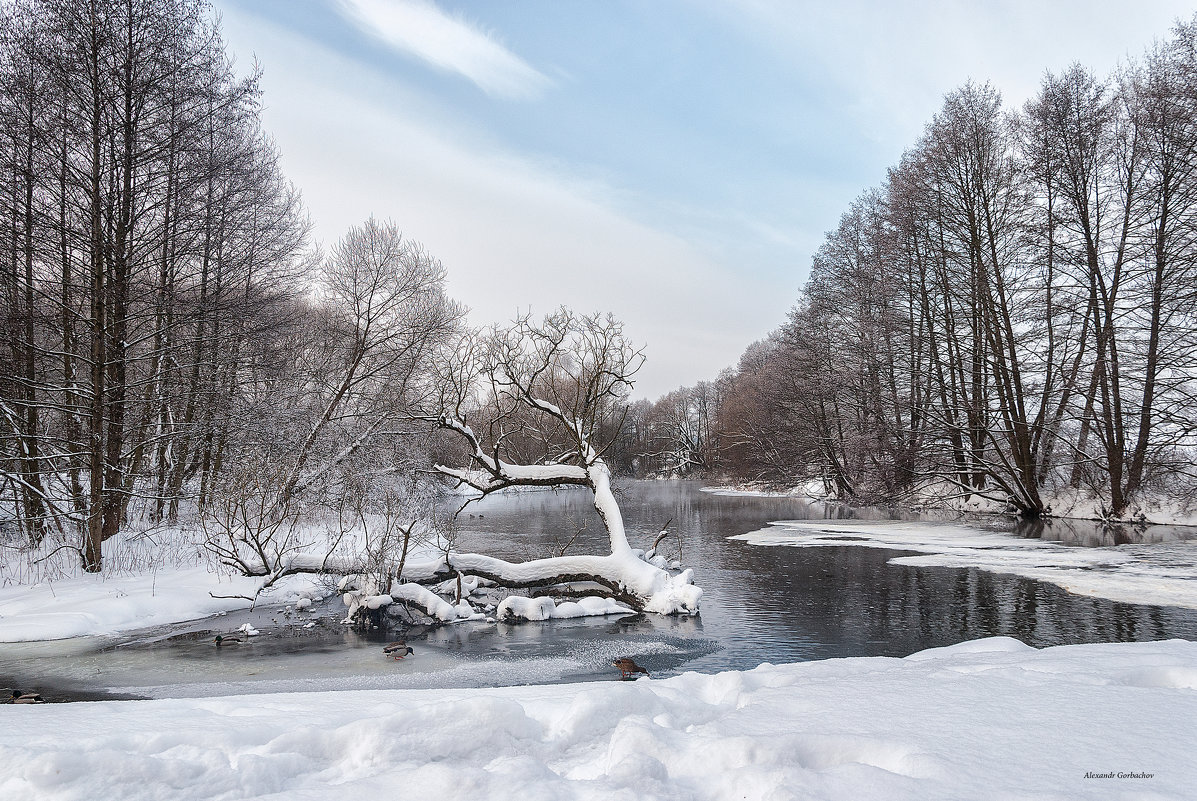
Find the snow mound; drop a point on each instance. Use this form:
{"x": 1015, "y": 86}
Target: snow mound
{"x": 674, "y": 594}
{"x": 861, "y": 729}
{"x": 989, "y": 645}
{"x": 422, "y": 597}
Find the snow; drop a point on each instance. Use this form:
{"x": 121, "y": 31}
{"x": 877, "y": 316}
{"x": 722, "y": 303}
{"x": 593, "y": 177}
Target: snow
{"x": 1158, "y": 573}
{"x": 436, "y": 606}
{"x": 746, "y": 492}
{"x": 422, "y": 597}
{"x": 937, "y": 494}
{"x": 666, "y": 593}
{"x": 986, "y": 719}
{"x": 103, "y": 605}
{"x": 520, "y": 608}
{"x": 546, "y": 475}
{"x": 1151, "y": 507}
{"x": 98, "y": 605}
{"x": 496, "y": 473}
{"x": 469, "y": 584}
{"x": 607, "y": 507}
{"x": 1064, "y": 502}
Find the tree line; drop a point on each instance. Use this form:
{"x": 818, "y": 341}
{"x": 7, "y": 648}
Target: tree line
{"x": 171, "y": 338}
{"x": 1010, "y": 314}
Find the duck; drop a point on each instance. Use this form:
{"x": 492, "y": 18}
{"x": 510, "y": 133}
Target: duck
{"x": 628, "y": 668}
{"x": 397, "y": 650}
{"x": 222, "y": 640}
{"x": 19, "y": 697}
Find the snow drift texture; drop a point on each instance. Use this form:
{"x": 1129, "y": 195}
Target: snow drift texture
{"x": 986, "y": 719}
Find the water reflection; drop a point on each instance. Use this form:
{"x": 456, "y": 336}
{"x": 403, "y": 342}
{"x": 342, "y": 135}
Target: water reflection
{"x": 780, "y": 604}
{"x": 1099, "y": 534}
{"x": 762, "y": 604}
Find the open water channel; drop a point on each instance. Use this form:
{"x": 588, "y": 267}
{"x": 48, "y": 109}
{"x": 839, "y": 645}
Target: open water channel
{"x": 761, "y": 604}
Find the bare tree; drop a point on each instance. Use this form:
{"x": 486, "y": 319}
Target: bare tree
{"x": 143, "y": 220}
{"x": 389, "y": 318}
{"x": 553, "y": 383}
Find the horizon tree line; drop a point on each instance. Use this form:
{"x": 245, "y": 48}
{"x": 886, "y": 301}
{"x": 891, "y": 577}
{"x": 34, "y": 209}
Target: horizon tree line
{"x": 1010, "y": 314}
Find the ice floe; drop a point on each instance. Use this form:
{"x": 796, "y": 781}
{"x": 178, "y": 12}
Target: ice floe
{"x": 1158, "y": 573}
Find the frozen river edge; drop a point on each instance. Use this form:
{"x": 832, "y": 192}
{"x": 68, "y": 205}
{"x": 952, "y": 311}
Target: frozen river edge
{"x": 1158, "y": 574}
{"x": 966, "y": 721}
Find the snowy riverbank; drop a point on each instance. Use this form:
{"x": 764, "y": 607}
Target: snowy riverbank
{"x": 90, "y": 605}
{"x": 989, "y": 718}
{"x": 1068, "y": 504}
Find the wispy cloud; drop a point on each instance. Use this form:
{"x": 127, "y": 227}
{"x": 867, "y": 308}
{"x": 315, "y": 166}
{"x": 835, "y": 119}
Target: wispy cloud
{"x": 892, "y": 62}
{"x": 514, "y": 230}
{"x": 419, "y": 28}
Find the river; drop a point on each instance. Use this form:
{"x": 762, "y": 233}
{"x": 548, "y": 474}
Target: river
{"x": 761, "y": 604}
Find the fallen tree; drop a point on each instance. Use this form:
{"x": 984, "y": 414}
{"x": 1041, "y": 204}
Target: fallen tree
{"x": 531, "y": 403}
{"x": 551, "y": 389}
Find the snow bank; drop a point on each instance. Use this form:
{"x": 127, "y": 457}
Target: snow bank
{"x": 1158, "y": 573}
{"x": 516, "y": 607}
{"x": 993, "y": 719}
{"x": 1064, "y": 502}
{"x": 1149, "y": 508}
{"x": 96, "y": 605}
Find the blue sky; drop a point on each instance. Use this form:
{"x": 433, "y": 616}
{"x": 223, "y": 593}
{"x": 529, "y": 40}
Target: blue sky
{"x": 675, "y": 162}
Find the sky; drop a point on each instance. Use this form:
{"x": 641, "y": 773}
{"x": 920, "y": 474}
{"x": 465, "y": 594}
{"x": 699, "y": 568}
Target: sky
{"x": 673, "y": 162}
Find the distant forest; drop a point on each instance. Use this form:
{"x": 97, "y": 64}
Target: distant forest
{"x": 1012, "y": 313}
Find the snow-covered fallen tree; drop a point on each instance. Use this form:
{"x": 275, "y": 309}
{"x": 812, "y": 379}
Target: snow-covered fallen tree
{"x": 531, "y": 404}
{"x": 550, "y": 390}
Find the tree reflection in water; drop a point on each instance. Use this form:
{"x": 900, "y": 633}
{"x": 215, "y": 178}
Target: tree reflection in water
{"x": 783, "y": 604}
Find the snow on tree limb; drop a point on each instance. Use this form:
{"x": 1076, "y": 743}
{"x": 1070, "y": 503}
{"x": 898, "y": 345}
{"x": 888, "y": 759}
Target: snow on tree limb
{"x": 531, "y": 403}
{"x": 628, "y": 577}
{"x": 421, "y": 597}
{"x": 562, "y": 377}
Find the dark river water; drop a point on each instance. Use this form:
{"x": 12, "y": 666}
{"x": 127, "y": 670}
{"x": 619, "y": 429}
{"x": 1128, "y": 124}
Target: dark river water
{"x": 761, "y": 604}
{"x": 781, "y": 604}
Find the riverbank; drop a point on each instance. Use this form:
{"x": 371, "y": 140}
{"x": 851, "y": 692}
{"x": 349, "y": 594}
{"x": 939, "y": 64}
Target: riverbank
{"x": 960, "y": 722}
{"x": 969, "y": 720}
{"x": 97, "y": 605}
{"x": 1066, "y": 504}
